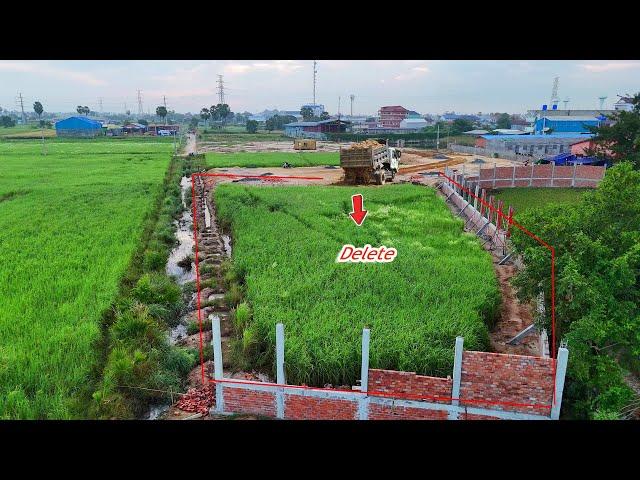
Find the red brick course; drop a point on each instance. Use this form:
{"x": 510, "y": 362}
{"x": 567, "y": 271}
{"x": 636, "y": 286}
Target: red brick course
{"x": 542, "y": 176}
{"x": 418, "y": 387}
{"x": 498, "y": 377}
{"x": 240, "y": 400}
{"x": 299, "y": 407}
{"x": 384, "y": 412}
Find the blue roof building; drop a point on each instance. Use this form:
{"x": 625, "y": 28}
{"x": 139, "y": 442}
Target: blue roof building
{"x": 78, "y": 127}
{"x": 566, "y": 123}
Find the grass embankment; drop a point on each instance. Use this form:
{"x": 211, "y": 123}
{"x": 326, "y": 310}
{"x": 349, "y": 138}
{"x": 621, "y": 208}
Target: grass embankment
{"x": 523, "y": 199}
{"x": 70, "y": 223}
{"x": 286, "y": 241}
{"x": 272, "y": 159}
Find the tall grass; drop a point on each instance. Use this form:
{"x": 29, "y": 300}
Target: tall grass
{"x": 286, "y": 241}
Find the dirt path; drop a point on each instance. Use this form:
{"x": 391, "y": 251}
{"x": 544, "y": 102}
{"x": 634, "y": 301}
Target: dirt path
{"x": 190, "y": 146}
{"x": 514, "y": 317}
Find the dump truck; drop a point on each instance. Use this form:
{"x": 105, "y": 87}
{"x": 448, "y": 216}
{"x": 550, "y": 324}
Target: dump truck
{"x": 369, "y": 161}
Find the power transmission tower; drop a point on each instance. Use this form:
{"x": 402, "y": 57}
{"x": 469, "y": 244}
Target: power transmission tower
{"x": 352, "y": 97}
{"x": 338, "y": 107}
{"x": 554, "y": 93}
{"x": 315, "y": 71}
{"x": 164, "y": 101}
{"x": 602, "y": 99}
{"x": 100, "y": 104}
{"x": 140, "y": 110}
{"x": 20, "y": 100}
{"x": 566, "y": 102}
{"x": 220, "y": 90}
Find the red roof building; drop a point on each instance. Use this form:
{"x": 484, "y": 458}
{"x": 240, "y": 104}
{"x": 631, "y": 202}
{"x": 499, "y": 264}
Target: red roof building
{"x": 391, "y": 116}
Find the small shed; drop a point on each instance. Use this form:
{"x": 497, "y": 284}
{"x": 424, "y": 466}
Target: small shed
{"x": 304, "y": 144}
{"x": 78, "y": 127}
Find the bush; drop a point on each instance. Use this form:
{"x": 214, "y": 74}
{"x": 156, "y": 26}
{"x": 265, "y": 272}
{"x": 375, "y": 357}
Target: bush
{"x": 154, "y": 260}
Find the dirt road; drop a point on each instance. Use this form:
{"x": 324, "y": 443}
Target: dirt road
{"x": 190, "y": 146}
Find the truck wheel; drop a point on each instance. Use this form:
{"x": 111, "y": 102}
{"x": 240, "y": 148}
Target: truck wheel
{"x": 380, "y": 178}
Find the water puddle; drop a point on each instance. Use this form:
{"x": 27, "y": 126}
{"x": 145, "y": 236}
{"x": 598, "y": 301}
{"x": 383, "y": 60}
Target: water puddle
{"x": 226, "y": 240}
{"x": 184, "y": 235}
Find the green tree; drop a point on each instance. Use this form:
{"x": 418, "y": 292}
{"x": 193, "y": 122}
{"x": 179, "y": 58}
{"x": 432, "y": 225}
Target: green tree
{"x": 144, "y": 122}
{"x": 597, "y": 246}
{"x": 205, "y": 114}
{"x": 83, "y": 110}
{"x": 460, "y": 125}
{"x": 37, "y": 107}
{"x": 619, "y": 141}
{"x": 307, "y": 113}
{"x": 504, "y": 121}
{"x": 252, "y": 126}
{"x": 7, "y": 122}
{"x": 161, "y": 111}
{"x": 325, "y": 116}
{"x": 277, "y": 122}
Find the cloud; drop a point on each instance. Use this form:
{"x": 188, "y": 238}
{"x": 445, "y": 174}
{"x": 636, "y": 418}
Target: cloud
{"x": 413, "y": 73}
{"x": 281, "y": 66}
{"x": 607, "y": 67}
{"x": 46, "y": 70}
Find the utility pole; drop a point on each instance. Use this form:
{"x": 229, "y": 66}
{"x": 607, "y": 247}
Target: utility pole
{"x": 338, "y": 107}
{"x": 220, "y": 90}
{"x": 140, "y": 110}
{"x": 352, "y": 97}
{"x": 164, "y": 101}
{"x": 438, "y": 139}
{"x": 21, "y": 102}
{"x": 315, "y": 64}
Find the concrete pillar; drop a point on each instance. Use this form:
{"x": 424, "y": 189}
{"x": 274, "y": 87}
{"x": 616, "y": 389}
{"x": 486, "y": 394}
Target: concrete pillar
{"x": 573, "y": 178}
{"x": 475, "y": 199}
{"x": 561, "y": 371}
{"x": 531, "y": 177}
{"x": 495, "y": 166}
{"x": 363, "y": 402}
{"x": 280, "y": 376}
{"x": 553, "y": 171}
{"x": 513, "y": 176}
{"x": 217, "y": 363}
{"x": 457, "y": 371}
{"x": 364, "y": 369}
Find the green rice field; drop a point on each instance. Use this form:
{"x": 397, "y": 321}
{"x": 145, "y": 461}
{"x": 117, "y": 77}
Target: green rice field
{"x": 272, "y": 159}
{"x": 69, "y": 224}
{"x": 523, "y": 199}
{"x": 286, "y": 240}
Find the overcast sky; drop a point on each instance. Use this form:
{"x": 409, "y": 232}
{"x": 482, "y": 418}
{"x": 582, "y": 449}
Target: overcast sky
{"x": 425, "y": 86}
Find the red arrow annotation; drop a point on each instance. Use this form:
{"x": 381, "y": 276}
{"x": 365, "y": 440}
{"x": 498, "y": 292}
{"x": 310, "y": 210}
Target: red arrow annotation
{"x": 358, "y": 213}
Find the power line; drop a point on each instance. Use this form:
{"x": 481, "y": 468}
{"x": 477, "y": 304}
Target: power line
{"x": 20, "y": 100}
{"x": 220, "y": 90}
{"x": 140, "y": 110}
{"x": 315, "y": 64}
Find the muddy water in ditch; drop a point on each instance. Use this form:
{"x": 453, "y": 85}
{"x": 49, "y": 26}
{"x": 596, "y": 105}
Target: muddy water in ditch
{"x": 184, "y": 235}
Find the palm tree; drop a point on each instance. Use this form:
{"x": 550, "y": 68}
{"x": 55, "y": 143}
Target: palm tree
{"x": 37, "y": 107}
{"x": 161, "y": 111}
{"x": 205, "y": 114}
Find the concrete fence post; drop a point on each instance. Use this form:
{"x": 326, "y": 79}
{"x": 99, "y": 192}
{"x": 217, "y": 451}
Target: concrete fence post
{"x": 280, "y": 377}
{"x": 573, "y": 178}
{"x": 475, "y": 198}
{"x": 513, "y": 176}
{"x": 553, "y": 171}
{"x": 457, "y": 375}
{"x": 217, "y": 363}
{"x": 561, "y": 370}
{"x": 531, "y": 177}
{"x": 495, "y": 166}
{"x": 363, "y": 402}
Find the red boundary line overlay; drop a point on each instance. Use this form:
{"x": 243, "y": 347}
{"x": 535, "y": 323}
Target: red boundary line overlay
{"x": 370, "y": 393}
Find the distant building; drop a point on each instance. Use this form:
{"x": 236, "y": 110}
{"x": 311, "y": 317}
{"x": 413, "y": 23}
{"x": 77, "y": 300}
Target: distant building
{"x": 624, "y": 104}
{"x": 535, "y": 114}
{"x": 317, "y": 109}
{"x": 536, "y": 145}
{"x": 134, "y": 129}
{"x": 451, "y": 117}
{"x": 391, "y": 116}
{"x": 315, "y": 129}
{"x": 153, "y": 129}
{"x": 566, "y": 123}
{"x": 413, "y": 123}
{"x": 78, "y": 127}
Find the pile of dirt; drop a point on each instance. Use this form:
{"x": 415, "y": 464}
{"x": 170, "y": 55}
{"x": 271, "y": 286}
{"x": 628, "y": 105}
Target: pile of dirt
{"x": 441, "y": 156}
{"x": 364, "y": 145}
{"x": 198, "y": 400}
{"x": 478, "y": 160}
